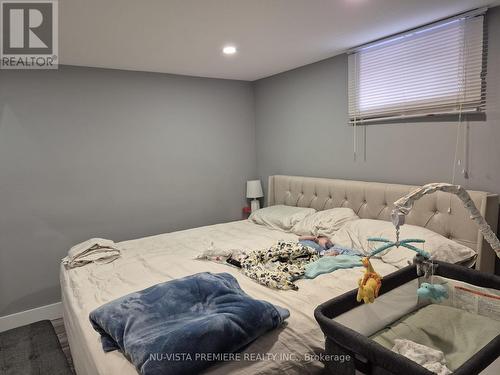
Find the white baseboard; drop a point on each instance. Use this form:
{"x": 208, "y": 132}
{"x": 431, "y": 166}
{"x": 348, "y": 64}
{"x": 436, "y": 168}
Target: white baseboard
{"x": 22, "y": 318}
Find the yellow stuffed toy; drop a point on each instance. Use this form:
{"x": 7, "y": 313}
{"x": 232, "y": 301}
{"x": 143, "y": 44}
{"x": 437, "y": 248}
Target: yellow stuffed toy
{"x": 369, "y": 284}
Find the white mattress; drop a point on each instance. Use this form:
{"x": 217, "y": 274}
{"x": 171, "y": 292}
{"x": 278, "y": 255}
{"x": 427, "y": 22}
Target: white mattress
{"x": 148, "y": 261}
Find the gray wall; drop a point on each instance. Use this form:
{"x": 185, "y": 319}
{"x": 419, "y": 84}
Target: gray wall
{"x": 95, "y": 152}
{"x": 301, "y": 125}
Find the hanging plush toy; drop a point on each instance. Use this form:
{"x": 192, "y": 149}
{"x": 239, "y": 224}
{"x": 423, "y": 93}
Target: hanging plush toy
{"x": 369, "y": 284}
{"x": 434, "y": 292}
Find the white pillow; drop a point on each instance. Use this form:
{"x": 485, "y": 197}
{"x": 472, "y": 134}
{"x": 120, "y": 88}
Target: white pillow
{"x": 280, "y": 217}
{"x": 354, "y": 235}
{"x": 324, "y": 223}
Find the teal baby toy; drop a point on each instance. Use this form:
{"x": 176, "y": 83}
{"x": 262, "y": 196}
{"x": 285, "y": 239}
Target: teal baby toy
{"x": 434, "y": 292}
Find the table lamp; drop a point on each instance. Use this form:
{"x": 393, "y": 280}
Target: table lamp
{"x": 254, "y": 191}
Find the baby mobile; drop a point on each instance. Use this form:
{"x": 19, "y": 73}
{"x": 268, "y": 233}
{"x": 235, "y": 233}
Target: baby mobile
{"x": 370, "y": 283}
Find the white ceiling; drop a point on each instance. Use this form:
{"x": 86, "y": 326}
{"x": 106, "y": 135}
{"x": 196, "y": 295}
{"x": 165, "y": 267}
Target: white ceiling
{"x": 272, "y": 36}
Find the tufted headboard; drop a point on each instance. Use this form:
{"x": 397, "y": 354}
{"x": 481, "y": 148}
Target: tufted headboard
{"x": 374, "y": 200}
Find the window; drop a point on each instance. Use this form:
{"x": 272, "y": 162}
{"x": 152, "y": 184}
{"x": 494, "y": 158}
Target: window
{"x": 437, "y": 69}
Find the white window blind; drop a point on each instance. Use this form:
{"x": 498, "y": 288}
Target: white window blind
{"x": 437, "y": 69}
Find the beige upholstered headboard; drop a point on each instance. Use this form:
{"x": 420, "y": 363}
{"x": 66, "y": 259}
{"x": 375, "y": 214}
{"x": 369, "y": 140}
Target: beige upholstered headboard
{"x": 372, "y": 200}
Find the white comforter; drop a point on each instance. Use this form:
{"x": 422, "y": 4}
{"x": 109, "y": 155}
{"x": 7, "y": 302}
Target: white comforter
{"x": 151, "y": 260}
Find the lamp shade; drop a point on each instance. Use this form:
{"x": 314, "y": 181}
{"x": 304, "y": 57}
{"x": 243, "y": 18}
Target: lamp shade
{"x": 254, "y": 189}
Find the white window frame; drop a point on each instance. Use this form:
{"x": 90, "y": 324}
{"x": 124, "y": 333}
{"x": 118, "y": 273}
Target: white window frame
{"x": 445, "y": 89}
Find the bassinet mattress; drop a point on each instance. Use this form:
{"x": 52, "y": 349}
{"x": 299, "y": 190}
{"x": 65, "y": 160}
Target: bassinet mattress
{"x": 292, "y": 349}
{"x": 459, "y": 334}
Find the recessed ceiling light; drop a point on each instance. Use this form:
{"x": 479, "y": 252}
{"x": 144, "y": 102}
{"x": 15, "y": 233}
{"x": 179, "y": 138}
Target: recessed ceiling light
{"x": 229, "y": 50}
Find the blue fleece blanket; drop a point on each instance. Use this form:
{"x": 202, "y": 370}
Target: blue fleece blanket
{"x": 180, "y": 326}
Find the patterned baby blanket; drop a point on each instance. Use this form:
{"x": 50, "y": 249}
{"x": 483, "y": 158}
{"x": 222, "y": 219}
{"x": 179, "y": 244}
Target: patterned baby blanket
{"x": 278, "y": 266}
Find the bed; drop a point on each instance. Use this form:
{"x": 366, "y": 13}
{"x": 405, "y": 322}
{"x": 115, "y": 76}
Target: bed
{"x": 295, "y": 348}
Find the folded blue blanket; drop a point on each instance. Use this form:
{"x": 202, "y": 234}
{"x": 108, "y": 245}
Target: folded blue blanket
{"x": 176, "y": 327}
{"x": 329, "y": 264}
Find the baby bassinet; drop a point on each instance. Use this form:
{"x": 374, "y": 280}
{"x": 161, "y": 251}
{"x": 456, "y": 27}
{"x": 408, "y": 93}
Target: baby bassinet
{"x": 348, "y": 325}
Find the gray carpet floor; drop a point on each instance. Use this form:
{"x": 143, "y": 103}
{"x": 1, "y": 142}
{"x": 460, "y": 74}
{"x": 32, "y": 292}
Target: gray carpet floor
{"x": 33, "y": 349}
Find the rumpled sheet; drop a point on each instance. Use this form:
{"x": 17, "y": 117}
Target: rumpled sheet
{"x": 95, "y": 250}
{"x": 432, "y": 359}
{"x": 176, "y": 327}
